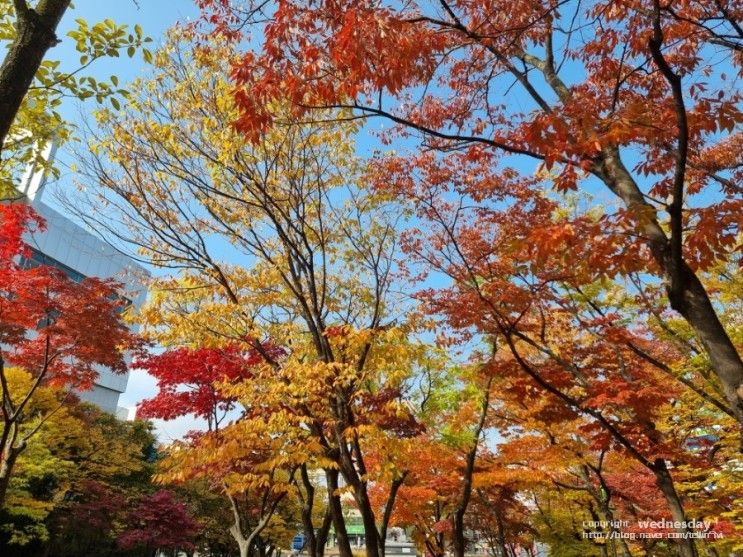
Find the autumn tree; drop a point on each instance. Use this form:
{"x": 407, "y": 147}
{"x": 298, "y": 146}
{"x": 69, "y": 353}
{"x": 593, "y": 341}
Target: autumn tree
{"x": 208, "y": 507}
{"x": 113, "y": 463}
{"x": 53, "y": 332}
{"x": 628, "y": 96}
{"x": 252, "y": 470}
{"x": 521, "y": 277}
{"x": 159, "y": 522}
{"x": 429, "y": 490}
{"x": 242, "y": 467}
{"x": 316, "y": 261}
{"x": 437, "y": 481}
{"x": 89, "y": 523}
{"x": 189, "y": 380}
{"x": 40, "y": 469}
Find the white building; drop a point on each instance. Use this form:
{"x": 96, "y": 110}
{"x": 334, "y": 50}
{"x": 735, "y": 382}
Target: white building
{"x": 80, "y": 254}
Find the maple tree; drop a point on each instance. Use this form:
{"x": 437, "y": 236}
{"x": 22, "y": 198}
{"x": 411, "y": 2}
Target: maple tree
{"x": 89, "y": 523}
{"x": 437, "y": 483}
{"x": 620, "y": 94}
{"x": 159, "y": 521}
{"x": 500, "y": 518}
{"x": 112, "y": 463}
{"x": 208, "y": 508}
{"x": 522, "y": 275}
{"x": 52, "y": 329}
{"x": 188, "y": 381}
{"x": 252, "y": 471}
{"x": 38, "y": 469}
{"x": 429, "y": 492}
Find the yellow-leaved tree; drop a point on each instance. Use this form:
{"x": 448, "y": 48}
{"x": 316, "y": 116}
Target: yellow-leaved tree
{"x": 275, "y": 246}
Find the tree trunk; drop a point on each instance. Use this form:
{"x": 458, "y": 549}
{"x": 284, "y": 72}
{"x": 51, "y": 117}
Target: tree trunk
{"x": 336, "y": 511}
{"x": 236, "y": 529}
{"x": 243, "y": 546}
{"x": 354, "y": 478}
{"x": 664, "y": 481}
{"x": 602, "y": 498}
{"x": 596, "y": 518}
{"x": 315, "y": 539}
{"x": 321, "y": 538}
{"x": 35, "y": 35}
{"x": 370, "y": 525}
{"x": 501, "y": 535}
{"x": 388, "y": 508}
{"x": 458, "y": 538}
{"x": 685, "y": 291}
{"x": 308, "y": 503}
{"x": 7, "y": 462}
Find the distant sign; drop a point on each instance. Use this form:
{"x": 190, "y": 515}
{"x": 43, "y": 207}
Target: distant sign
{"x": 298, "y": 542}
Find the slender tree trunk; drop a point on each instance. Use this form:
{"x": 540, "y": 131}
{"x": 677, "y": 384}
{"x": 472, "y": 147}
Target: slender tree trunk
{"x": 336, "y": 511}
{"x": 501, "y": 535}
{"x": 7, "y": 463}
{"x": 308, "y": 503}
{"x": 685, "y": 291}
{"x": 322, "y": 534}
{"x": 596, "y": 518}
{"x": 664, "y": 481}
{"x": 388, "y": 508}
{"x": 603, "y": 500}
{"x": 459, "y": 541}
{"x": 315, "y": 539}
{"x": 352, "y": 475}
{"x": 623, "y": 548}
{"x": 367, "y": 516}
{"x": 35, "y": 35}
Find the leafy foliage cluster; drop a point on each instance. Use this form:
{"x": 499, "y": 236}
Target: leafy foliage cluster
{"x": 517, "y": 326}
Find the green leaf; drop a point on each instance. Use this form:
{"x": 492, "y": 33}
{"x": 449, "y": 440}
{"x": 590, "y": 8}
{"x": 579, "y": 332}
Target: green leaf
{"x": 115, "y": 103}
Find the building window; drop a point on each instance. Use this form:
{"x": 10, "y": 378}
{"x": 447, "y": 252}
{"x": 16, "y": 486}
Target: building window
{"x": 37, "y": 259}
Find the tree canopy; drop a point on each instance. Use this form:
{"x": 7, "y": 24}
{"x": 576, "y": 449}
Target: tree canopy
{"x": 506, "y": 322}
